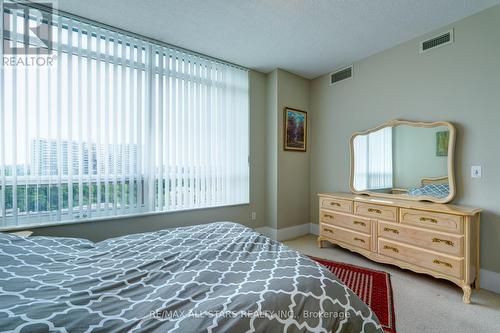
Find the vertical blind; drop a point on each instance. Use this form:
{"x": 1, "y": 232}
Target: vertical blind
{"x": 373, "y": 167}
{"x": 116, "y": 125}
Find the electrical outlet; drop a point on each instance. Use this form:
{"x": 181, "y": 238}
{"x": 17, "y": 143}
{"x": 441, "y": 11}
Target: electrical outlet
{"x": 475, "y": 171}
{"x": 253, "y": 216}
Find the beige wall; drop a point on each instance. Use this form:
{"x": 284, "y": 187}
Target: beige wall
{"x": 270, "y": 126}
{"x": 105, "y": 229}
{"x": 458, "y": 83}
{"x": 293, "y": 167}
{"x": 287, "y": 172}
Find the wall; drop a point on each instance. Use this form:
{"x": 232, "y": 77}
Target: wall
{"x": 458, "y": 83}
{"x": 111, "y": 228}
{"x": 293, "y": 167}
{"x": 270, "y": 126}
{"x": 414, "y": 151}
{"x": 287, "y": 171}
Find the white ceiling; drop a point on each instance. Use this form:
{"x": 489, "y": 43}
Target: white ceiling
{"x": 306, "y": 37}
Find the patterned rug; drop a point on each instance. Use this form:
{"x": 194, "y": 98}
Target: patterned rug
{"x": 373, "y": 287}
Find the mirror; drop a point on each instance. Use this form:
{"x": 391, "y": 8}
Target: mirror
{"x": 403, "y": 159}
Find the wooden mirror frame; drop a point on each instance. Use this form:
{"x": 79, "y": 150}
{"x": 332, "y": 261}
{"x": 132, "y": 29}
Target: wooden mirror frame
{"x": 451, "y": 161}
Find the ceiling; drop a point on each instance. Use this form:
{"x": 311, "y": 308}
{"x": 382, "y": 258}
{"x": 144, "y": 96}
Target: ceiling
{"x": 306, "y": 37}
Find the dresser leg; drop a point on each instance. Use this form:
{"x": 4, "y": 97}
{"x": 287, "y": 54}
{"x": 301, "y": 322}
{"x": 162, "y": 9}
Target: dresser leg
{"x": 467, "y": 293}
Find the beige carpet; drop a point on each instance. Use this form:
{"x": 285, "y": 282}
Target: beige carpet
{"x": 422, "y": 303}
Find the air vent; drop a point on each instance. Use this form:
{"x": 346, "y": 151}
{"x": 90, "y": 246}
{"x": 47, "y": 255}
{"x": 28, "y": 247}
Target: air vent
{"x": 437, "y": 41}
{"x": 341, "y": 75}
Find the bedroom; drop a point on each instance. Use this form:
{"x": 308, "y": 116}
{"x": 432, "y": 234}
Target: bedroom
{"x": 167, "y": 182}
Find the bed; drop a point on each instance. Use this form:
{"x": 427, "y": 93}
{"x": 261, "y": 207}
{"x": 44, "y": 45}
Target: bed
{"x": 217, "y": 277}
{"x": 434, "y": 187}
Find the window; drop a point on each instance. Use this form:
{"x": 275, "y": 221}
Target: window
{"x": 116, "y": 125}
{"x": 373, "y": 168}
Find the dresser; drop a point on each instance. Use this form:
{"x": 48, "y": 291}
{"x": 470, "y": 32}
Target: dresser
{"x": 441, "y": 240}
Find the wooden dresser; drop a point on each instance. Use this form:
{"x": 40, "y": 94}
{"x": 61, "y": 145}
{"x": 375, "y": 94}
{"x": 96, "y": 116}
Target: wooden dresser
{"x": 437, "y": 239}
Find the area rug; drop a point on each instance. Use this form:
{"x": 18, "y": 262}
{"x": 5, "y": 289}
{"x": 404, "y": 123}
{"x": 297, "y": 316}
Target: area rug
{"x": 373, "y": 287}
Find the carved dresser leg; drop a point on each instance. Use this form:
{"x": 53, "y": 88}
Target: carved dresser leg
{"x": 467, "y": 293}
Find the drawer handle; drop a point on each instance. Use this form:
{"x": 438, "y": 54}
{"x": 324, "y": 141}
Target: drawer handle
{"x": 359, "y": 240}
{"x": 444, "y": 263}
{"x": 334, "y": 204}
{"x": 360, "y": 223}
{"x": 392, "y": 248}
{"x": 439, "y": 240}
{"x": 395, "y": 231}
{"x": 328, "y": 230}
{"x": 374, "y": 210}
{"x": 329, "y": 216}
{"x": 427, "y": 219}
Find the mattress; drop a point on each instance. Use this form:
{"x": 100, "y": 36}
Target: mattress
{"x": 217, "y": 277}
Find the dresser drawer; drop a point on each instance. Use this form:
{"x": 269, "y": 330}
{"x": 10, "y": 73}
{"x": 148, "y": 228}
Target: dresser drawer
{"x": 387, "y": 213}
{"x": 432, "y": 240}
{"x": 443, "y": 264}
{"x": 437, "y": 221}
{"x": 346, "y": 236}
{"x": 339, "y": 205}
{"x": 346, "y": 221}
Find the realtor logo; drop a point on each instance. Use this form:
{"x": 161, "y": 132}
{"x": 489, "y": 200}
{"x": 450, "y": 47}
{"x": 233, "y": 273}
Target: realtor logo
{"x": 27, "y": 30}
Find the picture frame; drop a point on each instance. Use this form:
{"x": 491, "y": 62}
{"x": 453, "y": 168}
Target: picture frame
{"x": 442, "y": 142}
{"x": 295, "y": 130}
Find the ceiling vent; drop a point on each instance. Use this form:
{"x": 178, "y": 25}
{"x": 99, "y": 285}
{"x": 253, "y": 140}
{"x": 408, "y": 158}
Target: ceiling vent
{"x": 341, "y": 75}
{"x": 437, "y": 41}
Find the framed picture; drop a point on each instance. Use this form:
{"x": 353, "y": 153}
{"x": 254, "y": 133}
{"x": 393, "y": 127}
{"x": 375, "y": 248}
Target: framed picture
{"x": 295, "y": 129}
{"x": 442, "y": 141}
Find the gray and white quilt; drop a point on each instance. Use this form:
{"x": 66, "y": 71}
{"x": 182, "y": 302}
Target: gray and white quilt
{"x": 218, "y": 277}
{"x": 431, "y": 190}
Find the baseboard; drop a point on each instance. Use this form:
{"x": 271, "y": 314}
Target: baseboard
{"x": 290, "y": 232}
{"x": 314, "y": 229}
{"x": 293, "y": 232}
{"x": 267, "y": 231}
{"x": 490, "y": 281}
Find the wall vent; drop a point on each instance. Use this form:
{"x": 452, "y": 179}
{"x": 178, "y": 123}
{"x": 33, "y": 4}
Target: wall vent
{"x": 437, "y": 41}
{"x": 341, "y": 75}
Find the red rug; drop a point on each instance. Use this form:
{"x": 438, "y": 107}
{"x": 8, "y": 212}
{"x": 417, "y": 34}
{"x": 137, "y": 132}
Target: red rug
{"x": 373, "y": 287}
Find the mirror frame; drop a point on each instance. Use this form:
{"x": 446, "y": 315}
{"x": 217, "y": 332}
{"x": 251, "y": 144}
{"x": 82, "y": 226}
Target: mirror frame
{"x": 451, "y": 161}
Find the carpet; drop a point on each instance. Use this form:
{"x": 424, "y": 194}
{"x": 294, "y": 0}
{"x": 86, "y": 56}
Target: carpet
{"x": 373, "y": 287}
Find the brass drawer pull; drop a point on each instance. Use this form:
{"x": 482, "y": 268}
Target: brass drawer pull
{"x": 427, "y": 219}
{"x": 395, "y": 231}
{"x": 440, "y": 262}
{"x": 374, "y": 210}
{"x": 359, "y": 240}
{"x": 439, "y": 240}
{"x": 334, "y": 204}
{"x": 360, "y": 223}
{"x": 328, "y": 216}
{"x": 392, "y": 248}
{"x": 328, "y": 230}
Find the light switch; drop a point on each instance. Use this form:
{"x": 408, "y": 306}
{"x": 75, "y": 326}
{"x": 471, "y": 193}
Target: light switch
{"x": 475, "y": 171}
